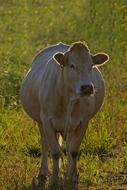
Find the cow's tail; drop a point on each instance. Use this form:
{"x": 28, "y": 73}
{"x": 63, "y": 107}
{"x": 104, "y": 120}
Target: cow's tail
{"x": 61, "y": 161}
{"x": 60, "y": 140}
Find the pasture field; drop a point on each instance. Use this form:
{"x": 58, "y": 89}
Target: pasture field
{"x": 27, "y": 26}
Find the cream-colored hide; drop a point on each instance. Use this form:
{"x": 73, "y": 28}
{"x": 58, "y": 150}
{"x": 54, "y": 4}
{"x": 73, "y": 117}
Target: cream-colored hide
{"x": 62, "y": 91}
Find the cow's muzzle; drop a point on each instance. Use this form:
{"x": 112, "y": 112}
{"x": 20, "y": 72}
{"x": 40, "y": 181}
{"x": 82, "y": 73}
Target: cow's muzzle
{"x": 86, "y": 90}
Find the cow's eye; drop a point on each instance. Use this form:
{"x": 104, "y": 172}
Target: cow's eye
{"x": 72, "y": 66}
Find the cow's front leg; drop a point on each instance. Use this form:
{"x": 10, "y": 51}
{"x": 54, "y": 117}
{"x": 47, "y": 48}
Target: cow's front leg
{"x": 44, "y": 154}
{"x": 74, "y": 139}
{"x": 53, "y": 143}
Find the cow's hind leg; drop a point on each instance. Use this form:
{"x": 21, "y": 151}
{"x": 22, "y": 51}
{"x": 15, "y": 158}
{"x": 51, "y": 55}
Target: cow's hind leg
{"x": 74, "y": 139}
{"x": 44, "y": 154}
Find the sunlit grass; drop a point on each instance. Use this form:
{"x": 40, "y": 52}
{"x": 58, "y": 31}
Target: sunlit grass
{"x": 25, "y": 28}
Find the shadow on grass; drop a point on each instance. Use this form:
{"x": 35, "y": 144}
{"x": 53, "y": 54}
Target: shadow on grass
{"x": 61, "y": 184}
{"x": 32, "y": 151}
{"x": 101, "y": 152}
{"x": 35, "y": 185}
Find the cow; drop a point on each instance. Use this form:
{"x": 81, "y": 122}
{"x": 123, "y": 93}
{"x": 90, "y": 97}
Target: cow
{"x": 62, "y": 92}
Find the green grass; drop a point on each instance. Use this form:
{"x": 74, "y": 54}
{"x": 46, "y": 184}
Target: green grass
{"x": 25, "y": 28}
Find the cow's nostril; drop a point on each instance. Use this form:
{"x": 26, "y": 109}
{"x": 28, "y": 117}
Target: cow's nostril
{"x": 83, "y": 87}
{"x": 86, "y": 89}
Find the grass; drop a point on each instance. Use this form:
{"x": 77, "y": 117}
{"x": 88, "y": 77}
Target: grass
{"x": 25, "y": 28}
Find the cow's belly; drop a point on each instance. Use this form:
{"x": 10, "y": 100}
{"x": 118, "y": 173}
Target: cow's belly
{"x": 33, "y": 110}
{"x": 30, "y": 102}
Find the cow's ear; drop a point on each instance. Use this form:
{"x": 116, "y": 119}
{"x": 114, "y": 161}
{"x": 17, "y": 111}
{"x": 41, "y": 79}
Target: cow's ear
{"x": 61, "y": 59}
{"x": 100, "y": 59}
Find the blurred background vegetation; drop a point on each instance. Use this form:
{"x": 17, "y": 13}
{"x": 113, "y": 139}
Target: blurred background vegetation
{"x": 26, "y": 27}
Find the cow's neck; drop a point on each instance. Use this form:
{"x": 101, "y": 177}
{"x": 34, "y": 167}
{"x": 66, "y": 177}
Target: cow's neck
{"x": 64, "y": 91}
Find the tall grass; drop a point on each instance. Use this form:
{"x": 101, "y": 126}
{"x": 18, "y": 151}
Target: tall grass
{"x": 25, "y": 28}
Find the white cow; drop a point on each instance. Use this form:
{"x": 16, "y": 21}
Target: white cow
{"x": 62, "y": 91}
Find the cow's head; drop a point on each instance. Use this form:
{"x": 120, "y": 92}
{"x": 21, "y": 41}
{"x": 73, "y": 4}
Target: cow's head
{"x": 78, "y": 64}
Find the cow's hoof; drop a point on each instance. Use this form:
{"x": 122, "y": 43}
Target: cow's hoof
{"x": 42, "y": 174}
{"x": 54, "y": 183}
{"x": 41, "y": 177}
{"x": 74, "y": 180}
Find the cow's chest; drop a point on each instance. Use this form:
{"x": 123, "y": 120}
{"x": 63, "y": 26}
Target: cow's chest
{"x": 81, "y": 110}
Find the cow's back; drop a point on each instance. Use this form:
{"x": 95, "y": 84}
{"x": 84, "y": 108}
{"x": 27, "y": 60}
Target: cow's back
{"x": 29, "y": 92}
{"x": 43, "y": 56}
